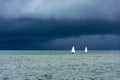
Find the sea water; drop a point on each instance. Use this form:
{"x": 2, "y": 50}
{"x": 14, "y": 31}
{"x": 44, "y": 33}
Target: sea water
{"x": 60, "y": 65}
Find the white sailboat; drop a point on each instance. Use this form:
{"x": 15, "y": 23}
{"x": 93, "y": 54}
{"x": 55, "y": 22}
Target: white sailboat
{"x": 86, "y": 50}
{"x": 73, "y": 50}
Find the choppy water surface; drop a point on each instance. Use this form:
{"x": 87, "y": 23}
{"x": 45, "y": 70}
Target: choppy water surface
{"x": 59, "y": 65}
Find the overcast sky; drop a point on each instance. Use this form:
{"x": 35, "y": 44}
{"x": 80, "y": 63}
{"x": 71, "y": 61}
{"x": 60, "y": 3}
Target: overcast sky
{"x": 59, "y": 24}
{"x": 60, "y": 9}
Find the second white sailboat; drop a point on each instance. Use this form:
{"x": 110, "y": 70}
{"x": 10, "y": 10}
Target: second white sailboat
{"x": 86, "y": 50}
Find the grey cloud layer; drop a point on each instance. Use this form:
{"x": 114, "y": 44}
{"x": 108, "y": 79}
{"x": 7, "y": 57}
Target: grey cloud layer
{"x": 60, "y": 9}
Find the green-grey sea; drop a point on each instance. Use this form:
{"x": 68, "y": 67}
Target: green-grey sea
{"x": 59, "y": 65}
{"x": 55, "y": 52}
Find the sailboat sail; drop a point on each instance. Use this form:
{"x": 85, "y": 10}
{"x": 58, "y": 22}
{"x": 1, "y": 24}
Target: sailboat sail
{"x": 86, "y": 50}
{"x": 73, "y": 50}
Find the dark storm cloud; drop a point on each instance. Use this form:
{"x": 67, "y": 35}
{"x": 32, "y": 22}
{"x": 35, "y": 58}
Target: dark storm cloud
{"x": 58, "y": 28}
{"x": 93, "y": 42}
{"x": 35, "y": 34}
{"x": 32, "y": 24}
{"x": 60, "y": 9}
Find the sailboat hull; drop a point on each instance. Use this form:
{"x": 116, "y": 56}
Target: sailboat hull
{"x": 73, "y": 52}
{"x": 85, "y": 52}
